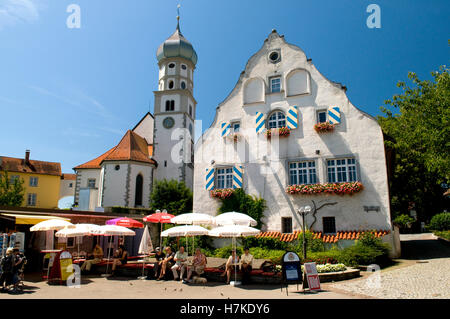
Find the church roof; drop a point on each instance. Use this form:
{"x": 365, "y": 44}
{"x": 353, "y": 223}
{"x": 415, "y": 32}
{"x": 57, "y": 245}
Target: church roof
{"x": 20, "y": 165}
{"x": 132, "y": 147}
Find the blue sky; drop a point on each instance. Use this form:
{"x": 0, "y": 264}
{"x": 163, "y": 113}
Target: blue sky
{"x": 70, "y": 94}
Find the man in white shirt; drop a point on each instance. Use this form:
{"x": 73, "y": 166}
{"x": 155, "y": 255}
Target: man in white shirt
{"x": 246, "y": 265}
{"x": 180, "y": 263}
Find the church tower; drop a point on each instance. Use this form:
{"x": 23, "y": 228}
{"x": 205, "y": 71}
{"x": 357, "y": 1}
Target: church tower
{"x": 175, "y": 108}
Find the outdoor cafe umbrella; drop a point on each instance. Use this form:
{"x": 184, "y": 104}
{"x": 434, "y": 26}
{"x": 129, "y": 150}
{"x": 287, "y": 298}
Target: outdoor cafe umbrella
{"x": 52, "y": 224}
{"x": 158, "y": 217}
{"x": 234, "y": 231}
{"x": 193, "y": 219}
{"x": 78, "y": 230}
{"x": 234, "y": 218}
{"x": 125, "y": 222}
{"x": 112, "y": 230}
{"x": 145, "y": 247}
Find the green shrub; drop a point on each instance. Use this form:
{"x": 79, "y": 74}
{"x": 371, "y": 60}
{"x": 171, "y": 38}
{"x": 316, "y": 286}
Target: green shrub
{"x": 274, "y": 255}
{"x": 225, "y": 252}
{"x": 312, "y": 245}
{"x": 404, "y": 221}
{"x": 443, "y": 234}
{"x": 264, "y": 242}
{"x": 440, "y": 222}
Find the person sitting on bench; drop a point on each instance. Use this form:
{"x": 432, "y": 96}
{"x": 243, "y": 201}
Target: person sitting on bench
{"x": 180, "y": 263}
{"x": 198, "y": 265}
{"x": 232, "y": 261}
{"x": 246, "y": 266}
{"x": 97, "y": 253}
{"x": 122, "y": 258}
{"x": 159, "y": 256}
{"x": 167, "y": 262}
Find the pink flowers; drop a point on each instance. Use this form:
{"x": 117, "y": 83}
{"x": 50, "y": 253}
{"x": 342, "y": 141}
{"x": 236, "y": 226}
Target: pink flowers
{"x": 324, "y": 127}
{"x": 281, "y": 131}
{"x": 348, "y": 188}
{"x": 222, "y": 193}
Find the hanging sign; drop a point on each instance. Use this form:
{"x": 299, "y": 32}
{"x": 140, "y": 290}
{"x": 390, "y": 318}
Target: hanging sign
{"x": 312, "y": 276}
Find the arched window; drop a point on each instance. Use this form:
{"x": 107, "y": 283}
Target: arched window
{"x": 170, "y": 84}
{"x": 277, "y": 119}
{"x": 190, "y": 110}
{"x": 170, "y": 105}
{"x": 139, "y": 190}
{"x": 183, "y": 85}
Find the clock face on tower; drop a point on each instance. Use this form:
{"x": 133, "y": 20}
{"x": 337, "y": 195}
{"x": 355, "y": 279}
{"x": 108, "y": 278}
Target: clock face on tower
{"x": 168, "y": 122}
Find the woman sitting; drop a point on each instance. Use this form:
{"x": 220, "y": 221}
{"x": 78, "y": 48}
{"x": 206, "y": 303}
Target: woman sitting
{"x": 198, "y": 265}
{"x": 97, "y": 253}
{"x": 121, "y": 259}
{"x": 232, "y": 262}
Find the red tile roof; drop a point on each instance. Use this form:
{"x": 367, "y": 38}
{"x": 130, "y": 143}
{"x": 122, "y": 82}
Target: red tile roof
{"x": 345, "y": 235}
{"x": 71, "y": 177}
{"x": 19, "y": 165}
{"x": 131, "y": 147}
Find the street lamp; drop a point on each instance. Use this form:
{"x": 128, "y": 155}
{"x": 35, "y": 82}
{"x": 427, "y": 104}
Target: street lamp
{"x": 303, "y": 211}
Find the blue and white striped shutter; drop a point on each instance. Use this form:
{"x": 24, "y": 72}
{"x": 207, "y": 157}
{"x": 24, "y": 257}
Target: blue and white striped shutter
{"x": 260, "y": 122}
{"x": 225, "y": 129}
{"x": 209, "y": 179}
{"x": 334, "y": 115}
{"x": 292, "y": 118}
{"x": 238, "y": 176}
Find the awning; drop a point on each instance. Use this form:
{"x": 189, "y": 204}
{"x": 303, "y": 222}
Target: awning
{"x": 32, "y": 219}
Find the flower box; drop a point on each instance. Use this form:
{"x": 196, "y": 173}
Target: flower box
{"x": 346, "y": 188}
{"x": 234, "y": 136}
{"x": 280, "y": 131}
{"x": 324, "y": 127}
{"x": 222, "y": 193}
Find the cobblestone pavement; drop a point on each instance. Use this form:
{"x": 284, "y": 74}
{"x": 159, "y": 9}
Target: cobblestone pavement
{"x": 426, "y": 276}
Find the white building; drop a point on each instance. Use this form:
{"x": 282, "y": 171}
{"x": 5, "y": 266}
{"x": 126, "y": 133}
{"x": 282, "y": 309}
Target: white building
{"x": 159, "y": 147}
{"x": 281, "y": 87}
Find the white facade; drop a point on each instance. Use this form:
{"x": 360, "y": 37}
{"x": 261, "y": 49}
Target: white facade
{"x": 266, "y": 162}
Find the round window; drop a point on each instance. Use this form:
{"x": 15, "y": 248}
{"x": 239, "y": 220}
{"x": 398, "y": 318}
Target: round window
{"x": 274, "y": 56}
{"x": 168, "y": 122}
{"x": 117, "y": 167}
{"x": 183, "y": 66}
{"x": 183, "y": 85}
{"x": 171, "y": 65}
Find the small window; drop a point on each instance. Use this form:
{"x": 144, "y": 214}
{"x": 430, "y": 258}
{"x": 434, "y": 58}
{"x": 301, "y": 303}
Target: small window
{"x": 183, "y": 66}
{"x": 171, "y": 65}
{"x": 224, "y": 178}
{"x": 275, "y": 84}
{"x": 190, "y": 110}
{"x": 33, "y": 181}
{"x": 190, "y": 128}
{"x": 236, "y": 126}
{"x": 170, "y": 105}
{"x": 274, "y": 56}
{"x": 183, "y": 85}
{"x": 321, "y": 117}
{"x": 117, "y": 167}
{"x": 286, "y": 225}
{"x": 13, "y": 179}
{"x": 165, "y": 163}
{"x": 329, "y": 225}
{"x": 91, "y": 183}
{"x": 276, "y": 120}
{"x": 31, "y": 199}
{"x": 70, "y": 185}
{"x": 170, "y": 84}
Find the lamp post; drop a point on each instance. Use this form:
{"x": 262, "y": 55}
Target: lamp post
{"x": 303, "y": 211}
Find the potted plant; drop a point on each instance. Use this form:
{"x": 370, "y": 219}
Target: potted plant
{"x": 324, "y": 127}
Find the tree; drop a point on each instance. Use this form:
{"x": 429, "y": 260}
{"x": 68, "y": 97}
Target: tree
{"x": 417, "y": 121}
{"x": 171, "y": 195}
{"x": 245, "y": 204}
{"x": 11, "y": 194}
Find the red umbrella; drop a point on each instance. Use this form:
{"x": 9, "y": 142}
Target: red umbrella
{"x": 162, "y": 218}
{"x": 125, "y": 222}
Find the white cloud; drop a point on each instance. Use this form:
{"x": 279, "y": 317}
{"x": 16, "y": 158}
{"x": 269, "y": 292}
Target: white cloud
{"x": 19, "y": 11}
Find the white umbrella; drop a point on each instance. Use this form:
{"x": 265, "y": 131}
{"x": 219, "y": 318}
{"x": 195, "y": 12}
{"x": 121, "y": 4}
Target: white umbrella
{"x": 112, "y": 230}
{"x": 52, "y": 224}
{"x": 145, "y": 247}
{"x": 193, "y": 219}
{"x": 234, "y": 231}
{"x": 188, "y": 230}
{"x": 78, "y": 231}
{"x": 234, "y": 218}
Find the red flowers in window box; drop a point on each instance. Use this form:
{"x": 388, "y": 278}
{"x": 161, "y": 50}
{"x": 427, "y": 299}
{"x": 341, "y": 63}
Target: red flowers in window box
{"x": 346, "y": 188}
{"x": 222, "y": 193}
{"x": 324, "y": 127}
{"x": 280, "y": 131}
